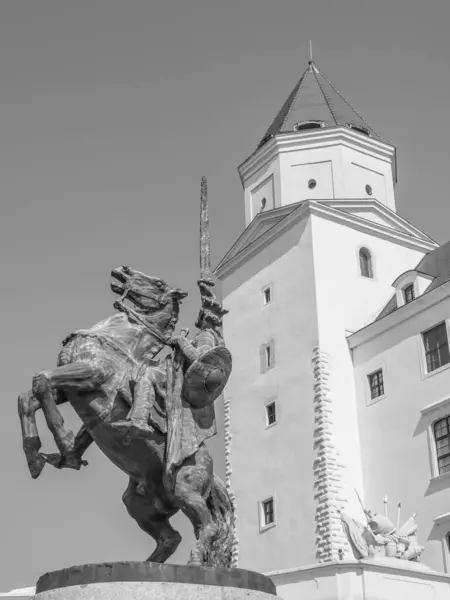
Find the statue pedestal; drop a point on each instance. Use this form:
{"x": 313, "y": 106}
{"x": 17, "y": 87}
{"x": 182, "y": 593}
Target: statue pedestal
{"x": 378, "y": 579}
{"x": 152, "y": 581}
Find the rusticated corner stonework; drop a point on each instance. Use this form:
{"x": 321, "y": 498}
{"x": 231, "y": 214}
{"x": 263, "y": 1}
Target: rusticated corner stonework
{"x": 228, "y": 472}
{"x": 328, "y": 468}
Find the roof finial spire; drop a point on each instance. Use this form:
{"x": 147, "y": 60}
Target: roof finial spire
{"x": 310, "y": 52}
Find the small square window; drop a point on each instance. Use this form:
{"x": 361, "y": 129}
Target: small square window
{"x": 267, "y": 295}
{"x": 435, "y": 343}
{"x": 408, "y": 293}
{"x": 376, "y": 384}
{"x": 271, "y": 415}
{"x": 267, "y": 512}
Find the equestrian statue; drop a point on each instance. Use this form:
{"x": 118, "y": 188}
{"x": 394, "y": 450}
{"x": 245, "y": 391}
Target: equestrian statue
{"x": 150, "y": 418}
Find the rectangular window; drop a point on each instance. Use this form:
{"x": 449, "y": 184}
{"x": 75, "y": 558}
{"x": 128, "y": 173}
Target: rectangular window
{"x": 267, "y": 295}
{"x": 271, "y": 415}
{"x": 442, "y": 440}
{"x": 408, "y": 293}
{"x": 435, "y": 342}
{"x": 376, "y": 384}
{"x": 267, "y": 356}
{"x": 268, "y": 512}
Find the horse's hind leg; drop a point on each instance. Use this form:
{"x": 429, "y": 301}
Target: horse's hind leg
{"x": 192, "y": 484}
{"x": 28, "y": 405}
{"x": 153, "y": 522}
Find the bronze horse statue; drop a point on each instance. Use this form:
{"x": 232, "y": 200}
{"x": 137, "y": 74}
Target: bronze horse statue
{"x": 95, "y": 373}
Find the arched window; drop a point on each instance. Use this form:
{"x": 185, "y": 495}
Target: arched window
{"x": 365, "y": 263}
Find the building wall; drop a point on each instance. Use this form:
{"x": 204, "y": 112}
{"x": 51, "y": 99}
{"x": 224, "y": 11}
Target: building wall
{"x": 318, "y": 295}
{"x": 395, "y": 446}
{"x": 277, "y": 460}
{"x": 347, "y": 301}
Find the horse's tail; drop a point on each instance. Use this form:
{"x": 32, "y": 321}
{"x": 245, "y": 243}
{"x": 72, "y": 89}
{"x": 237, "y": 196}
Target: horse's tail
{"x": 221, "y": 550}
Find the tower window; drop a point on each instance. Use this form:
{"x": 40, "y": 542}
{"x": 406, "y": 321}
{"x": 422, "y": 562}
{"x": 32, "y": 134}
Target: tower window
{"x": 267, "y": 512}
{"x": 263, "y": 204}
{"x": 305, "y": 125}
{"x": 376, "y": 384}
{"x": 369, "y": 191}
{"x": 365, "y": 263}
{"x": 408, "y": 293}
{"x": 435, "y": 342}
{"x": 442, "y": 440}
{"x": 312, "y": 184}
{"x": 267, "y": 295}
{"x": 271, "y": 416}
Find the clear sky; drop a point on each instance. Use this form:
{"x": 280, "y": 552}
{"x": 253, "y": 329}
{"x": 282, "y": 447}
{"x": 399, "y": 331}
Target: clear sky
{"x": 110, "y": 111}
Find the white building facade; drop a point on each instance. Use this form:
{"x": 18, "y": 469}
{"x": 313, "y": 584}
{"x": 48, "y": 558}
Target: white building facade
{"x": 336, "y": 384}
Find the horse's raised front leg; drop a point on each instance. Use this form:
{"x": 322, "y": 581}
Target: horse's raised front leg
{"x": 143, "y": 510}
{"x": 83, "y": 440}
{"x": 76, "y": 377}
{"x": 28, "y": 405}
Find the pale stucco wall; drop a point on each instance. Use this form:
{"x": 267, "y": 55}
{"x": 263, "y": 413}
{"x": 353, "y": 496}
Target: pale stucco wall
{"x": 346, "y": 301}
{"x": 394, "y": 434}
{"x": 277, "y": 460}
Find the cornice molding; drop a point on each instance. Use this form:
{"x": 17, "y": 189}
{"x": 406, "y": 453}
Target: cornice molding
{"x": 376, "y": 206}
{"x": 306, "y": 208}
{"x": 401, "y": 314}
{"x": 318, "y": 138}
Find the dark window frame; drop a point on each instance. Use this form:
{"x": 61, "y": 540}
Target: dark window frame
{"x": 376, "y": 384}
{"x": 436, "y": 351}
{"x": 268, "y": 512}
{"x": 443, "y": 459}
{"x": 409, "y": 293}
{"x": 267, "y": 292}
{"x": 271, "y": 413}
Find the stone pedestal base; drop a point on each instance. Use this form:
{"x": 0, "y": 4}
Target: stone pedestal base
{"x": 151, "y": 581}
{"x": 382, "y": 579}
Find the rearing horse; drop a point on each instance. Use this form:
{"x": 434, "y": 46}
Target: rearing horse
{"x": 95, "y": 372}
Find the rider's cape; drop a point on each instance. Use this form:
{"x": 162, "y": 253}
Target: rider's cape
{"x": 187, "y": 427}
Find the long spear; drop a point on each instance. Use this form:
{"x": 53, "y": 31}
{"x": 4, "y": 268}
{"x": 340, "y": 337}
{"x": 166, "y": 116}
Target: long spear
{"x": 206, "y": 282}
{"x": 205, "y": 236}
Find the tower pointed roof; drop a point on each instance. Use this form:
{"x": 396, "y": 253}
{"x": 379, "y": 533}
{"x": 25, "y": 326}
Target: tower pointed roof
{"x": 315, "y": 102}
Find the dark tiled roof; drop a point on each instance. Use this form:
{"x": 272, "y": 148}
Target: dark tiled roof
{"x": 436, "y": 264}
{"x": 315, "y": 98}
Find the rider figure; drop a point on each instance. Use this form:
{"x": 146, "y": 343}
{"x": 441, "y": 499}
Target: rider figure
{"x": 147, "y": 378}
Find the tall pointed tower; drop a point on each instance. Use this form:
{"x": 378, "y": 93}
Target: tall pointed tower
{"x": 321, "y": 248}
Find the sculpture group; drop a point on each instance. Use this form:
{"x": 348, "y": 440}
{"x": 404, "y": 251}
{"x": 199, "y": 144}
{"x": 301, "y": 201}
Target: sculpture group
{"x": 380, "y": 538}
{"x": 149, "y": 417}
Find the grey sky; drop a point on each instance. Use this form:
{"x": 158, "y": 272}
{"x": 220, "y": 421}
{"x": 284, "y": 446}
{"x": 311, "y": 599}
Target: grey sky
{"x": 110, "y": 111}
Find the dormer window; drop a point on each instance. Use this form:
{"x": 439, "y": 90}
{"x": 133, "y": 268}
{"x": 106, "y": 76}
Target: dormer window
{"x": 408, "y": 293}
{"x": 358, "y": 128}
{"x": 365, "y": 263}
{"x": 306, "y": 125}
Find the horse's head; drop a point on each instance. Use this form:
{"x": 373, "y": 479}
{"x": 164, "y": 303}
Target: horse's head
{"x": 154, "y": 301}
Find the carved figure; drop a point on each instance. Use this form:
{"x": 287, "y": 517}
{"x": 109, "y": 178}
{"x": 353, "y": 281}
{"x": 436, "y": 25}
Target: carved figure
{"x": 105, "y": 370}
{"x": 380, "y": 538}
